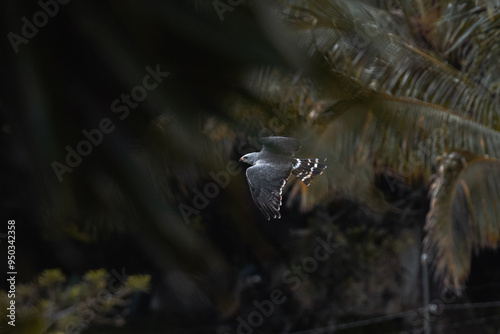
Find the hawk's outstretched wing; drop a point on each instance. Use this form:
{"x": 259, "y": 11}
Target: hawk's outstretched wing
{"x": 266, "y": 184}
{"x": 280, "y": 145}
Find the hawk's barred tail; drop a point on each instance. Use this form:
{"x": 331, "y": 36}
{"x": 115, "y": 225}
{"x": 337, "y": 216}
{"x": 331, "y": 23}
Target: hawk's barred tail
{"x": 307, "y": 169}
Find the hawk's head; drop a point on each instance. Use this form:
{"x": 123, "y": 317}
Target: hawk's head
{"x": 249, "y": 158}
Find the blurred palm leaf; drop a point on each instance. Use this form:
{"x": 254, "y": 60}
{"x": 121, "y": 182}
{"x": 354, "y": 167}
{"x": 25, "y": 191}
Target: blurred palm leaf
{"x": 377, "y": 50}
{"x": 465, "y": 212}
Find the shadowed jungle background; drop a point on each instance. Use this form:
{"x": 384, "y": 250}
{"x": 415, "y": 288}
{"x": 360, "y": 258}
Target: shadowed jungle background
{"x": 122, "y": 123}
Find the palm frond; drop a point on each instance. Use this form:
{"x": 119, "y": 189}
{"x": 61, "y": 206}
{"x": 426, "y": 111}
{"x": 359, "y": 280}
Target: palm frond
{"x": 466, "y": 36}
{"x": 464, "y": 215}
{"x": 365, "y": 137}
{"x": 380, "y": 53}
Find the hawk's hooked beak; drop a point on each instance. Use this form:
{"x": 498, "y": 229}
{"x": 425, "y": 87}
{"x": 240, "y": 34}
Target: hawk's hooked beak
{"x": 242, "y": 159}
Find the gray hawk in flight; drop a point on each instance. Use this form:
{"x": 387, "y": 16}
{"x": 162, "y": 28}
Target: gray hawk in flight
{"x": 271, "y": 168}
